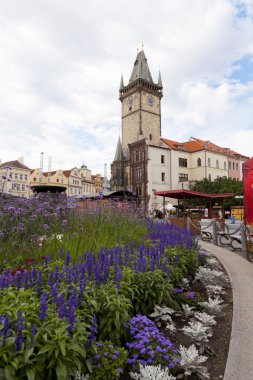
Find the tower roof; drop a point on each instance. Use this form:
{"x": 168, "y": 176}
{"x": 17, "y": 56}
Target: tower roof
{"x": 119, "y": 156}
{"x": 141, "y": 69}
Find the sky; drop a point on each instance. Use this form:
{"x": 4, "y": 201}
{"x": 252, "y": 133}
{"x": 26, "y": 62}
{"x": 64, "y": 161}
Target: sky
{"x": 61, "y": 63}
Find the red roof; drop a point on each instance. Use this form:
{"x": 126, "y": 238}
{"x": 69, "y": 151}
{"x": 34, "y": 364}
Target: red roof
{"x": 181, "y": 194}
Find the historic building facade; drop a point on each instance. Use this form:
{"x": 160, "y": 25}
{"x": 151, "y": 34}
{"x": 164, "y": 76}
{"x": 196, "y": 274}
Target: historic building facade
{"x": 145, "y": 162}
{"x": 14, "y": 178}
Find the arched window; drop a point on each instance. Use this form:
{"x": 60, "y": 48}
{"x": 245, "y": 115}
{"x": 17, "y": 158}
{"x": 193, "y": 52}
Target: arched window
{"x": 199, "y": 162}
{"x": 225, "y": 165}
{"x": 209, "y": 177}
{"x": 209, "y": 161}
{"x": 217, "y": 164}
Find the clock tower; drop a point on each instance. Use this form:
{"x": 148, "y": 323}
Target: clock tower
{"x": 141, "y": 106}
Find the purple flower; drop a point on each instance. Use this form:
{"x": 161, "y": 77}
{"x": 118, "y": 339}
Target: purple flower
{"x": 43, "y": 306}
{"x": 20, "y": 327}
{"x": 190, "y": 295}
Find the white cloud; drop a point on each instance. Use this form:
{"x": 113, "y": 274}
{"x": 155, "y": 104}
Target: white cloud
{"x": 60, "y": 67}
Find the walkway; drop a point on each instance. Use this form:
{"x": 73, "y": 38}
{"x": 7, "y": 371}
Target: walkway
{"x": 240, "y": 271}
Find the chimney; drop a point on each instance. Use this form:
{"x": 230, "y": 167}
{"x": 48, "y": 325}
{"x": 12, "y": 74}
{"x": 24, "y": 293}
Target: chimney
{"x": 21, "y": 160}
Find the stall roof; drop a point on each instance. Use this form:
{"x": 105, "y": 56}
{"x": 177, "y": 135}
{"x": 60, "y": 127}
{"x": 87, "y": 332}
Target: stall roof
{"x": 188, "y": 194}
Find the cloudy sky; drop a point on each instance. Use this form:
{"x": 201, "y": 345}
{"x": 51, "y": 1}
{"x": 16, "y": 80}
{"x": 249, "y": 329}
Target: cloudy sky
{"x": 61, "y": 62}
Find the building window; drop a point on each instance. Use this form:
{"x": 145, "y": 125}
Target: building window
{"x": 16, "y": 176}
{"x": 138, "y": 155}
{"x": 150, "y": 137}
{"x": 10, "y": 175}
{"x": 209, "y": 177}
{"x": 57, "y": 180}
{"x": 18, "y": 186}
{"x": 225, "y": 165}
{"x": 199, "y": 162}
{"x": 26, "y": 177}
{"x": 138, "y": 173}
{"x": 182, "y": 162}
{"x": 162, "y": 159}
{"x": 163, "y": 177}
{"x": 209, "y": 161}
{"x": 182, "y": 177}
{"x": 229, "y": 165}
{"x": 237, "y": 167}
{"x": 23, "y": 187}
{"x": 217, "y": 164}
{"x": 233, "y": 166}
{"x": 34, "y": 180}
{"x": 21, "y": 176}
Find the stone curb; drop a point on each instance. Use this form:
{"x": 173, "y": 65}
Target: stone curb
{"x": 239, "y": 362}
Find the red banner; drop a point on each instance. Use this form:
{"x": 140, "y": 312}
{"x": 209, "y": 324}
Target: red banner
{"x": 247, "y": 169}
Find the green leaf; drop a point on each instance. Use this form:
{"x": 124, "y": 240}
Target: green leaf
{"x": 60, "y": 330}
{"x": 9, "y": 373}
{"x": 28, "y": 353}
{"x": 45, "y": 349}
{"x": 76, "y": 348}
{"x": 31, "y": 372}
{"x": 61, "y": 372}
{"x": 62, "y": 346}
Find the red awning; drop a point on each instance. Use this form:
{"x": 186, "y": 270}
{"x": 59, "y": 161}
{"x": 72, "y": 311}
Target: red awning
{"x": 188, "y": 194}
{"x": 247, "y": 169}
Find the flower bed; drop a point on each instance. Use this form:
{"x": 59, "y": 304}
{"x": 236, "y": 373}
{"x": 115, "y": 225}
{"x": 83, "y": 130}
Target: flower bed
{"x": 86, "y": 314}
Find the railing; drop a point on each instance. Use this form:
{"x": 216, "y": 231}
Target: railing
{"x": 236, "y": 236}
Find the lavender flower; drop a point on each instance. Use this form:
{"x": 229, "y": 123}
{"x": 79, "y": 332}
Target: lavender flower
{"x": 43, "y": 306}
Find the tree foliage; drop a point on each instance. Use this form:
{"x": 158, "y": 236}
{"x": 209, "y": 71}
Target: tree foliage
{"x": 221, "y": 185}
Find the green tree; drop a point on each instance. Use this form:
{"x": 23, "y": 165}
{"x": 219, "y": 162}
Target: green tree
{"x": 219, "y": 186}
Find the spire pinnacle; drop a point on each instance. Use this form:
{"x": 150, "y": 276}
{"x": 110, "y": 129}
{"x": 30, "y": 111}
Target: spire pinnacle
{"x": 160, "y": 84}
{"x": 121, "y": 83}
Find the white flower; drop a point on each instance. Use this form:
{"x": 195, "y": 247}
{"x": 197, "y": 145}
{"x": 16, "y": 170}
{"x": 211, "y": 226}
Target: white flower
{"x": 213, "y": 263}
{"x": 206, "y": 319}
{"x": 149, "y": 372}
{"x": 197, "y": 331}
{"x": 215, "y": 290}
{"x": 211, "y": 277}
{"x": 213, "y": 306}
{"x": 162, "y": 313}
{"x": 187, "y": 310}
{"x": 191, "y": 360}
{"x": 185, "y": 283}
{"x": 171, "y": 327}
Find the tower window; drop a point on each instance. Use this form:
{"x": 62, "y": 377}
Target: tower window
{"x": 139, "y": 173}
{"x": 163, "y": 177}
{"x": 162, "y": 159}
{"x": 138, "y": 155}
{"x": 150, "y": 137}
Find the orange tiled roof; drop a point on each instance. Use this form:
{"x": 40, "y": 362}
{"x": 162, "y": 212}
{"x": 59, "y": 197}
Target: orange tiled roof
{"x": 195, "y": 144}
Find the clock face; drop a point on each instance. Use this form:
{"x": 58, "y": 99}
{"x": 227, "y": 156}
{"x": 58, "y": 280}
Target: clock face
{"x": 150, "y": 100}
{"x": 130, "y": 101}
